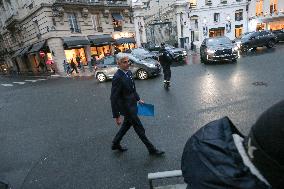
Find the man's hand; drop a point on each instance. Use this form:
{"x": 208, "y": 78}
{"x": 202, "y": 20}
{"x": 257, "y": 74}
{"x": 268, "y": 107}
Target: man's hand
{"x": 118, "y": 120}
{"x": 141, "y": 101}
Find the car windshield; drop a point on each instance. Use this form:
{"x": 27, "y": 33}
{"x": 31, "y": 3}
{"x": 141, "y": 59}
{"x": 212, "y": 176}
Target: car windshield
{"x": 140, "y": 51}
{"x": 218, "y": 41}
{"x": 246, "y": 36}
{"x": 169, "y": 47}
{"x": 135, "y": 58}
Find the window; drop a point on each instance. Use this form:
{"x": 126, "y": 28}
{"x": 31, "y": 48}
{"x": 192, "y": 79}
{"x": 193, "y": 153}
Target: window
{"x": 73, "y": 23}
{"x": 239, "y": 15}
{"x": 223, "y": 1}
{"x": 216, "y": 17}
{"x": 259, "y": 8}
{"x": 273, "y": 6}
{"x": 238, "y": 30}
{"x": 96, "y": 21}
{"x": 208, "y": 2}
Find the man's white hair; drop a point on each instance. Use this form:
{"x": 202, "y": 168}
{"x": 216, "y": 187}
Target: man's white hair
{"x": 120, "y": 56}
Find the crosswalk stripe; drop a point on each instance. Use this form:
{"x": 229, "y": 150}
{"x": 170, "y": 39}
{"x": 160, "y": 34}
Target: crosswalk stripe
{"x": 41, "y": 79}
{"x": 20, "y": 83}
{"x": 7, "y": 85}
{"x": 33, "y": 81}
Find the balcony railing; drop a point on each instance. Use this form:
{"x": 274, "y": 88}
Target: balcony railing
{"x": 115, "y": 3}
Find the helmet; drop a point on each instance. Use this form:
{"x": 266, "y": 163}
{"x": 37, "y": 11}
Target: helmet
{"x": 265, "y": 145}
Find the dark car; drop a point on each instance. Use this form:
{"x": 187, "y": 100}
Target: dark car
{"x": 179, "y": 54}
{"x": 252, "y": 40}
{"x": 143, "y": 53}
{"x": 218, "y": 49}
{"x": 140, "y": 67}
{"x": 279, "y": 35}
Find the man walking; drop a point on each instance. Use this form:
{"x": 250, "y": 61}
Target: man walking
{"x": 166, "y": 61}
{"x": 124, "y": 100}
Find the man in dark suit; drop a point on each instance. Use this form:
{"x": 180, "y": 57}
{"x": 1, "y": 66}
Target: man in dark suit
{"x": 124, "y": 100}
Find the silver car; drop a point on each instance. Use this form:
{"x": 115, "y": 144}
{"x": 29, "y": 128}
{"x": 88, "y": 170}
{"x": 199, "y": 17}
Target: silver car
{"x": 140, "y": 67}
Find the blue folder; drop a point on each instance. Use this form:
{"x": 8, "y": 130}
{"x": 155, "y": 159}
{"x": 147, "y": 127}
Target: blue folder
{"x": 145, "y": 109}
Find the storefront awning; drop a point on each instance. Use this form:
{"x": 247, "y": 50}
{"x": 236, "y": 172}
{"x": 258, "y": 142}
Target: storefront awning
{"x": 37, "y": 47}
{"x": 97, "y": 40}
{"x": 216, "y": 29}
{"x": 73, "y": 42}
{"x": 239, "y": 26}
{"x": 117, "y": 16}
{"x": 125, "y": 40}
{"x": 17, "y": 53}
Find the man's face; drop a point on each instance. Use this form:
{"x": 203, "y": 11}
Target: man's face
{"x": 124, "y": 64}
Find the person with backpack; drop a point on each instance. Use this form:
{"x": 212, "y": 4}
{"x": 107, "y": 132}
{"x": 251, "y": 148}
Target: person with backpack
{"x": 166, "y": 60}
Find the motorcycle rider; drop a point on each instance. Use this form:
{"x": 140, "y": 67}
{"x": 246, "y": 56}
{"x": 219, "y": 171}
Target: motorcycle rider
{"x": 166, "y": 60}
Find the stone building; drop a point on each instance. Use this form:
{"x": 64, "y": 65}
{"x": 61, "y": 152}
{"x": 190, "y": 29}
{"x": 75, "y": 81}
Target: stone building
{"x": 266, "y": 14}
{"x": 36, "y": 31}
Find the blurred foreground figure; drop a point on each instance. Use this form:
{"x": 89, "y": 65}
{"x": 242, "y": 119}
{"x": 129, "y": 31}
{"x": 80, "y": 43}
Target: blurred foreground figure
{"x": 218, "y": 156}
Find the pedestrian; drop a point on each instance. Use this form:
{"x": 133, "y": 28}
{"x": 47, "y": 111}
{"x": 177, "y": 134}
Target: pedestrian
{"x": 192, "y": 46}
{"x": 166, "y": 60}
{"x": 116, "y": 50}
{"x": 78, "y": 60}
{"x": 124, "y": 100}
{"x": 67, "y": 67}
{"x": 73, "y": 66}
{"x": 218, "y": 156}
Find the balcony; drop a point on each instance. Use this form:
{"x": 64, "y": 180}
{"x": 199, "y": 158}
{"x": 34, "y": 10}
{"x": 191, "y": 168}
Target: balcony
{"x": 80, "y": 2}
{"x": 114, "y": 3}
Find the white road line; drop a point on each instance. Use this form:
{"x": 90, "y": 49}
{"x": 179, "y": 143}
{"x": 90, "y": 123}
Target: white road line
{"x": 33, "y": 81}
{"x": 7, "y": 85}
{"x": 20, "y": 83}
{"x": 41, "y": 79}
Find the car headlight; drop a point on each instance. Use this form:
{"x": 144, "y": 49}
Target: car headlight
{"x": 150, "y": 65}
{"x": 238, "y": 44}
{"x": 184, "y": 52}
{"x": 210, "y": 51}
{"x": 236, "y": 48}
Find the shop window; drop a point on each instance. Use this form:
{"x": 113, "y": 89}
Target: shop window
{"x": 259, "y": 8}
{"x": 74, "y": 28}
{"x": 214, "y": 32}
{"x": 238, "y": 31}
{"x": 216, "y": 17}
{"x": 96, "y": 22}
{"x": 239, "y": 15}
{"x": 117, "y": 25}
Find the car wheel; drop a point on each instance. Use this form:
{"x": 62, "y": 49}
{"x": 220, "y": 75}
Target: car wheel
{"x": 142, "y": 74}
{"x": 270, "y": 44}
{"x": 101, "y": 77}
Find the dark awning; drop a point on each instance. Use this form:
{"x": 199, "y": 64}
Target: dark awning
{"x": 25, "y": 50}
{"x": 37, "y": 47}
{"x": 117, "y": 16}
{"x": 238, "y": 26}
{"x": 71, "y": 42}
{"x": 216, "y": 29}
{"x": 104, "y": 39}
{"x": 125, "y": 40}
{"x": 17, "y": 53}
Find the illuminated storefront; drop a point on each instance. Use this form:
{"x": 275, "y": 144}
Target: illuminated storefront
{"x": 214, "y": 32}
{"x": 124, "y": 40}
{"x": 101, "y": 45}
{"x": 74, "y": 47}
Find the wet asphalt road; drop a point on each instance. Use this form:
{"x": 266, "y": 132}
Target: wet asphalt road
{"x": 56, "y": 133}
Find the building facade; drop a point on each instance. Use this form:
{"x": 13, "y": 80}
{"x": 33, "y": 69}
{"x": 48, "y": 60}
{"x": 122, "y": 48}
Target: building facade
{"x": 195, "y": 20}
{"x": 266, "y": 14}
{"x": 36, "y": 31}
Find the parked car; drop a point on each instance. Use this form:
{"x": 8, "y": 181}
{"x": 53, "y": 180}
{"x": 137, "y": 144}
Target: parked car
{"x": 140, "y": 67}
{"x": 252, "y": 40}
{"x": 143, "y": 53}
{"x": 179, "y": 54}
{"x": 279, "y": 35}
{"x": 217, "y": 49}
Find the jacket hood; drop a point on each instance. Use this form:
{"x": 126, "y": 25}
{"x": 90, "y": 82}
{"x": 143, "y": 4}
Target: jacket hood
{"x": 211, "y": 160}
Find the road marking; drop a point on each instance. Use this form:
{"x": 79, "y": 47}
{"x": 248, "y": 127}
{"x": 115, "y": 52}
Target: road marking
{"x": 20, "y": 83}
{"x": 41, "y": 79}
{"x": 33, "y": 81}
{"x": 7, "y": 85}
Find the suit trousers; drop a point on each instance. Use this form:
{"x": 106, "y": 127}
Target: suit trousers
{"x": 167, "y": 72}
{"x": 133, "y": 120}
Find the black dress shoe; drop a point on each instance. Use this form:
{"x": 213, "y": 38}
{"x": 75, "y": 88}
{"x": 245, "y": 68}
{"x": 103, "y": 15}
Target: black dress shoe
{"x": 156, "y": 153}
{"x": 119, "y": 148}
